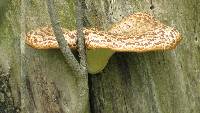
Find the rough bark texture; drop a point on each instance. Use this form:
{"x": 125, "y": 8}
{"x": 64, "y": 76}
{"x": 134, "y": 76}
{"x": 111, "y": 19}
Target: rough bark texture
{"x": 153, "y": 82}
{"x": 48, "y": 84}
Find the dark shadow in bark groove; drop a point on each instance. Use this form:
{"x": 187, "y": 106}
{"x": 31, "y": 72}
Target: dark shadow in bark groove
{"x": 30, "y": 92}
{"x": 92, "y": 98}
{"x": 125, "y": 74}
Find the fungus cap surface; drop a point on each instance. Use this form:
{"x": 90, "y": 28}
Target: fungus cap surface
{"x": 139, "y": 32}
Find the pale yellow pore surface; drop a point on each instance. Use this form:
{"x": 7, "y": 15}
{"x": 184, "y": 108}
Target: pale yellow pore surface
{"x": 139, "y": 32}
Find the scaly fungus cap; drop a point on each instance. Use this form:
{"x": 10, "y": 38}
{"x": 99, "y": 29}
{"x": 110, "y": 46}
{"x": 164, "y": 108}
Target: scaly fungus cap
{"x": 139, "y": 32}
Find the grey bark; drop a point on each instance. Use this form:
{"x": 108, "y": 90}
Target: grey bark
{"x": 153, "y": 82}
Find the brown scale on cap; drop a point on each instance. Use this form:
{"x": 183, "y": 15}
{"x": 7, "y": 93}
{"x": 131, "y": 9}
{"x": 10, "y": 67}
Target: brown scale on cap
{"x": 139, "y": 32}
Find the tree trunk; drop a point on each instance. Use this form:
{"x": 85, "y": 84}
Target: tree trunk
{"x": 153, "y": 82}
{"x": 41, "y": 82}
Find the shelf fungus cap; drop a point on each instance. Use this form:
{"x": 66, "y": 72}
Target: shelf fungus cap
{"x": 139, "y": 32}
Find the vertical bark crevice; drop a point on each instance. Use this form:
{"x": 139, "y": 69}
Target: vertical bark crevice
{"x": 30, "y": 94}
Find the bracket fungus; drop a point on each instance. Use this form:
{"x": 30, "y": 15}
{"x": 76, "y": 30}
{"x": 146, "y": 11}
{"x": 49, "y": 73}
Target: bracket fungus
{"x": 138, "y": 32}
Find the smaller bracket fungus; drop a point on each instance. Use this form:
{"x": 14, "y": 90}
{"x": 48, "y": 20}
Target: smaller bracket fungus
{"x": 139, "y": 32}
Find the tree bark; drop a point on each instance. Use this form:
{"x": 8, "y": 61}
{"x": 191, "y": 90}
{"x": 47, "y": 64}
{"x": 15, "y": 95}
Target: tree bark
{"x": 41, "y": 82}
{"x": 153, "y": 82}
